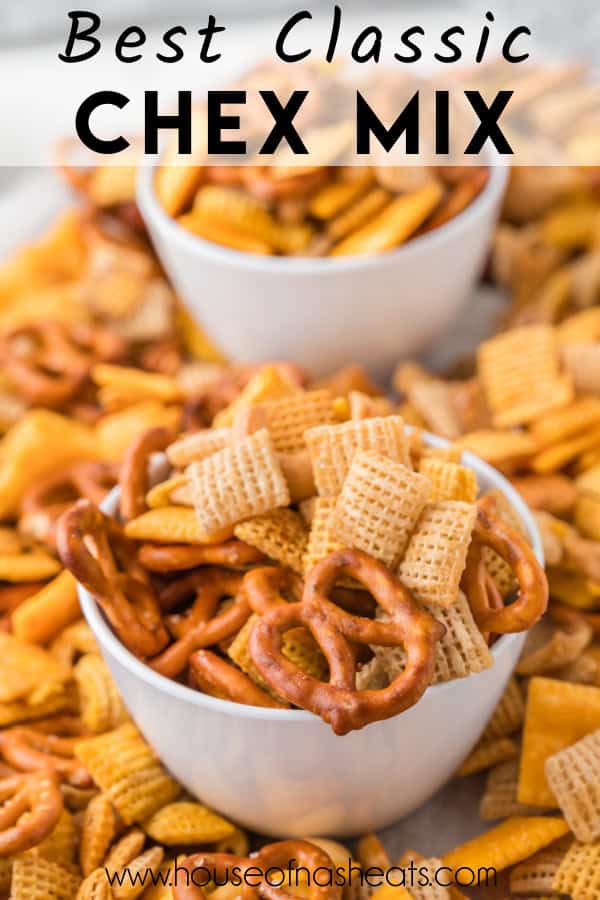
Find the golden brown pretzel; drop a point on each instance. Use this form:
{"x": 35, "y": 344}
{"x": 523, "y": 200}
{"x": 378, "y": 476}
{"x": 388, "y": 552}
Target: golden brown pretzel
{"x": 30, "y": 807}
{"x": 111, "y": 573}
{"x": 195, "y": 871}
{"x": 30, "y": 750}
{"x": 218, "y": 678}
{"x": 204, "y": 632}
{"x": 337, "y": 633}
{"x": 208, "y": 586}
{"x": 49, "y": 362}
{"x": 49, "y": 497}
{"x": 177, "y": 557}
{"x": 263, "y": 587}
{"x": 134, "y": 478}
{"x": 492, "y": 531}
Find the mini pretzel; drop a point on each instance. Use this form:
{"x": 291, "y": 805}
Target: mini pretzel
{"x": 204, "y": 632}
{"x": 46, "y": 501}
{"x": 29, "y": 750}
{"x": 337, "y": 633}
{"x": 218, "y": 678}
{"x": 263, "y": 587}
{"x": 119, "y": 584}
{"x": 30, "y": 807}
{"x": 134, "y": 479}
{"x": 208, "y": 586}
{"x": 176, "y": 557}
{"x": 491, "y": 531}
{"x": 49, "y": 362}
{"x": 279, "y": 856}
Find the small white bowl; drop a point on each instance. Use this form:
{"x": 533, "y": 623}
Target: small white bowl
{"x": 284, "y": 772}
{"x": 323, "y": 312}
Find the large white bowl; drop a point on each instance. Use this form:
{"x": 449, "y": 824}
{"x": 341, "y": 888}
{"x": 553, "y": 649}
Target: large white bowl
{"x": 284, "y": 772}
{"x": 323, "y": 312}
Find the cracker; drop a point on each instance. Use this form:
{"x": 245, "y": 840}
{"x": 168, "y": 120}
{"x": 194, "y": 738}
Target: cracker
{"x": 449, "y": 480}
{"x": 168, "y": 525}
{"x": 289, "y": 417}
{"x": 124, "y": 766}
{"x": 197, "y": 446}
{"x": 379, "y": 505}
{"x": 98, "y": 831}
{"x": 488, "y": 753}
{"x": 101, "y": 706}
{"x": 499, "y": 800}
{"x": 435, "y": 556}
{"x": 238, "y": 482}
{"x": 509, "y": 714}
{"x": 503, "y": 449}
{"x": 461, "y": 651}
{"x": 36, "y": 878}
{"x": 557, "y": 715}
{"x": 508, "y": 843}
{"x": 187, "y": 823}
{"x": 582, "y": 362}
{"x": 578, "y": 874}
{"x": 574, "y": 778}
{"x": 281, "y": 535}
{"x": 536, "y": 875}
{"x": 520, "y": 375}
{"x": 332, "y": 448}
{"x": 322, "y": 538}
{"x": 23, "y": 667}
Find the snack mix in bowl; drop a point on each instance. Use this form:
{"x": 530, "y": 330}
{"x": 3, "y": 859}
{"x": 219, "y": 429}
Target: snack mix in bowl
{"x": 300, "y": 547}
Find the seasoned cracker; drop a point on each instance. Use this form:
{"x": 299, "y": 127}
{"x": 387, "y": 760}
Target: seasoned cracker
{"x": 379, "y": 505}
{"x": 436, "y": 553}
{"x": 289, "y": 417}
{"x": 197, "y": 446}
{"x": 536, "y": 875}
{"x": 578, "y": 874}
{"x": 449, "y": 480}
{"x": 98, "y": 831}
{"x": 102, "y": 708}
{"x": 322, "y": 538}
{"x": 509, "y": 714}
{"x": 574, "y": 779}
{"x": 332, "y": 448}
{"x": 281, "y": 535}
{"x": 488, "y": 753}
{"x": 187, "y": 823}
{"x": 36, "y": 878}
{"x": 238, "y": 482}
{"x": 127, "y": 770}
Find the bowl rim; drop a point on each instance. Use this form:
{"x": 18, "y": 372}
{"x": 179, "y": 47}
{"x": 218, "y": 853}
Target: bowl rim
{"x": 112, "y": 645}
{"x": 154, "y": 215}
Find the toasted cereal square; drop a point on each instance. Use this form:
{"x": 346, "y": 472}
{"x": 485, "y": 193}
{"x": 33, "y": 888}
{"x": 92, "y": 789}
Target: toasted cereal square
{"x": 287, "y": 418}
{"x": 98, "y": 830}
{"x": 574, "y": 778}
{"x": 332, "y": 448}
{"x": 486, "y": 754}
{"x": 280, "y": 535}
{"x": 423, "y": 882}
{"x": 536, "y": 875}
{"x": 449, "y": 480}
{"x": 197, "y": 446}
{"x": 322, "y": 538}
{"x": 578, "y": 874}
{"x": 36, "y": 878}
{"x": 186, "y": 822}
{"x": 520, "y": 374}
{"x": 238, "y": 482}
{"x": 124, "y": 766}
{"x": 509, "y": 714}
{"x": 379, "y": 505}
{"x": 436, "y": 553}
{"x": 499, "y": 800}
{"x": 462, "y": 650}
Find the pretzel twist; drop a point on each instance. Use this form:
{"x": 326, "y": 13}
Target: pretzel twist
{"x": 338, "y": 633}
{"x": 49, "y": 362}
{"x": 47, "y": 500}
{"x": 30, "y": 807}
{"x": 492, "y": 531}
{"x": 135, "y": 480}
{"x": 268, "y": 863}
{"x": 30, "y": 750}
{"x": 119, "y": 584}
{"x": 207, "y": 587}
{"x": 231, "y": 554}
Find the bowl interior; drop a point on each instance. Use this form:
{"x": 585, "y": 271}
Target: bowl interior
{"x": 487, "y": 477}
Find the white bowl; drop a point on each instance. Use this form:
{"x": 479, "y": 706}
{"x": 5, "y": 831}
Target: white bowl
{"x": 284, "y": 772}
{"x": 323, "y": 312}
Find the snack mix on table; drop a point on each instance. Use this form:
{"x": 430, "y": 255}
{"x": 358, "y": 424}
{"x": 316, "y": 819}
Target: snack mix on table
{"x": 284, "y": 503}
